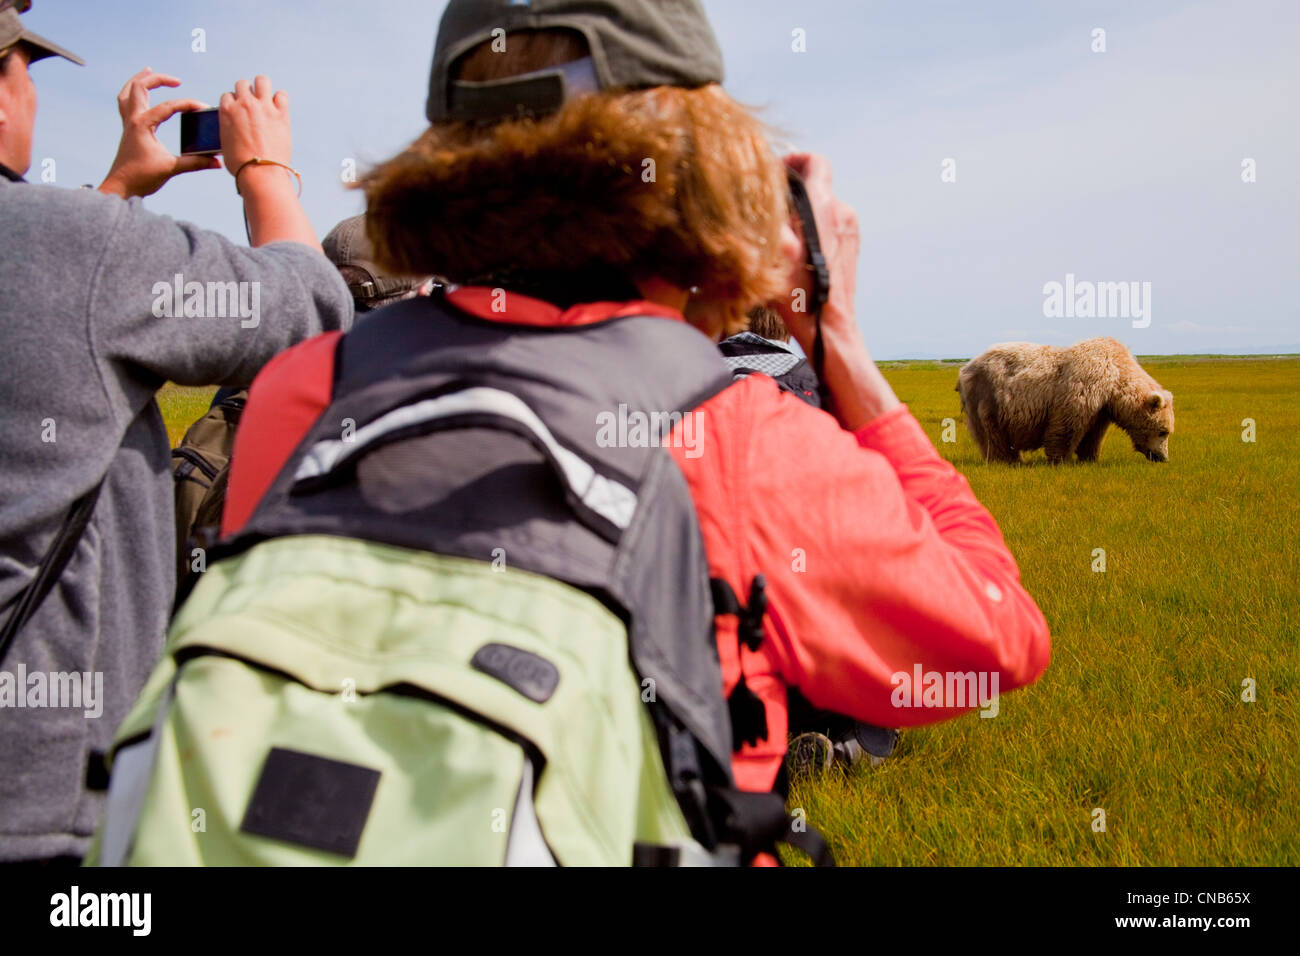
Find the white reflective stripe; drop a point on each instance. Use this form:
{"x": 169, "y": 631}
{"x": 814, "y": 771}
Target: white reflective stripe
{"x": 611, "y": 500}
{"x": 526, "y": 846}
{"x": 127, "y": 788}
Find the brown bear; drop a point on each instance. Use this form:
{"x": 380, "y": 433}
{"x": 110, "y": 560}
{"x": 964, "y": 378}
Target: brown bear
{"x": 1018, "y": 396}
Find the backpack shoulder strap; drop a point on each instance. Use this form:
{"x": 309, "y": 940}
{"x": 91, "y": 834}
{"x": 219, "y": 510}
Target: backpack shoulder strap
{"x": 285, "y": 400}
{"x": 51, "y": 568}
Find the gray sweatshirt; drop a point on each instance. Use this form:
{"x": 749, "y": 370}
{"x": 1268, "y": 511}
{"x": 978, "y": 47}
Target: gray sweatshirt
{"x": 91, "y": 324}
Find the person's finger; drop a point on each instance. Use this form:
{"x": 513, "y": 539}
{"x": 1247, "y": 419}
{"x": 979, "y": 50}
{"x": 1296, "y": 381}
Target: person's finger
{"x": 848, "y": 219}
{"x": 798, "y": 162}
{"x": 193, "y": 164}
{"x": 817, "y": 172}
{"x": 165, "y": 111}
{"x": 262, "y": 86}
{"x": 226, "y": 102}
{"x": 130, "y": 84}
{"x": 281, "y": 101}
{"x": 154, "y": 80}
{"x": 242, "y": 89}
{"x": 133, "y": 97}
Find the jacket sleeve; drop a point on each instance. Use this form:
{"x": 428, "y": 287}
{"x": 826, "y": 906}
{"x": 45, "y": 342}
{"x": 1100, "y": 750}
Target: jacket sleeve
{"x": 880, "y": 561}
{"x": 174, "y": 302}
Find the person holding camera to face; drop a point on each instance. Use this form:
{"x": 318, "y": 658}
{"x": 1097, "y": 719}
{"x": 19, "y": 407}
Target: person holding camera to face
{"x": 575, "y": 280}
{"x": 103, "y": 303}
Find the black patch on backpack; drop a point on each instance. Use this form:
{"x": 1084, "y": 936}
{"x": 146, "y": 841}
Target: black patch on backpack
{"x": 534, "y": 677}
{"x": 313, "y": 801}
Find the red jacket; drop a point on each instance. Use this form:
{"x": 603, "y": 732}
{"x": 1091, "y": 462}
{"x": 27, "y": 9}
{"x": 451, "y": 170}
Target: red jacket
{"x": 877, "y": 555}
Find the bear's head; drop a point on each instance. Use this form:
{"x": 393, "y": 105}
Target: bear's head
{"x": 1154, "y": 425}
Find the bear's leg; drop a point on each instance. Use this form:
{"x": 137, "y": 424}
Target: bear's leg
{"x": 975, "y": 426}
{"x": 1061, "y": 438}
{"x": 996, "y": 447}
{"x": 1090, "y": 446}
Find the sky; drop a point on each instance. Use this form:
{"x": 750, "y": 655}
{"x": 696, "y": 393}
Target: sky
{"x": 989, "y": 149}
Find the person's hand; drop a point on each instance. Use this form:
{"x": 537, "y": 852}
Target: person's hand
{"x": 143, "y": 164}
{"x": 837, "y": 228}
{"x": 255, "y": 123}
{"x": 860, "y": 392}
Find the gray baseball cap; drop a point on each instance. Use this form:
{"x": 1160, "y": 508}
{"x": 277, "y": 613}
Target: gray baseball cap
{"x": 12, "y": 32}
{"x": 347, "y": 245}
{"x": 634, "y": 44}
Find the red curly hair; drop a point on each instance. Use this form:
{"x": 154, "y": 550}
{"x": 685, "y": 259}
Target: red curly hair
{"x": 676, "y": 184}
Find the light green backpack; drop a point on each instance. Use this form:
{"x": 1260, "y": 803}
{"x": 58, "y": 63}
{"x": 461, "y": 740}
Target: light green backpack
{"x": 325, "y": 700}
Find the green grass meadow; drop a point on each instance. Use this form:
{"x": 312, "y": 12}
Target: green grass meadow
{"x": 181, "y": 407}
{"x": 1140, "y": 713}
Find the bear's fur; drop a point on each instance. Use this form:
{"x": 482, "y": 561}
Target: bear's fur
{"x": 1018, "y": 396}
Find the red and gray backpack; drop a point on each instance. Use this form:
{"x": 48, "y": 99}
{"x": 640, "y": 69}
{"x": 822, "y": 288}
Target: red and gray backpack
{"x": 460, "y": 626}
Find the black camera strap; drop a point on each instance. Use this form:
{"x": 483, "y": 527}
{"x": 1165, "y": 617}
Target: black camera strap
{"x": 821, "y": 277}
